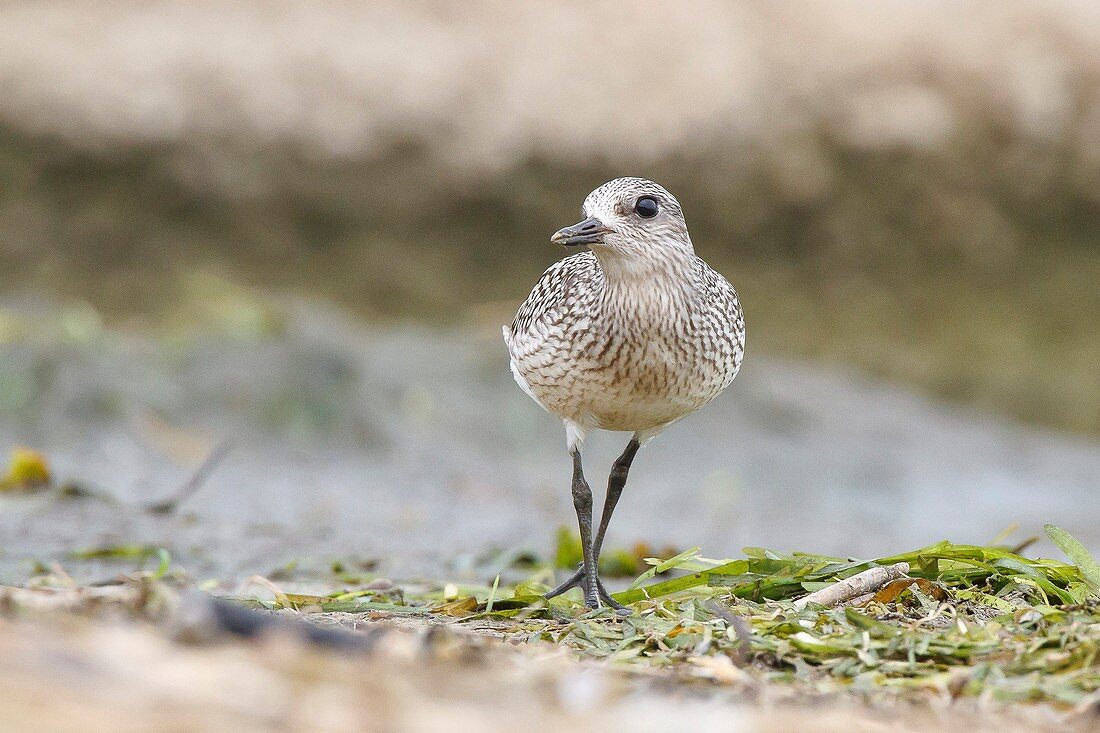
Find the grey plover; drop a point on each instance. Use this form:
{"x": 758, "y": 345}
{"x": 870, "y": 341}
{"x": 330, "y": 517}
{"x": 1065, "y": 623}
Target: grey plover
{"x": 632, "y": 335}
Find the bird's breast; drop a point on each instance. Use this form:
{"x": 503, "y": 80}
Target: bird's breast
{"x": 631, "y": 359}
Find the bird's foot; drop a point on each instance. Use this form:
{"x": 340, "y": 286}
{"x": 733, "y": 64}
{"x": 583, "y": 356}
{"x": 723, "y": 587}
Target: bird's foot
{"x": 599, "y": 599}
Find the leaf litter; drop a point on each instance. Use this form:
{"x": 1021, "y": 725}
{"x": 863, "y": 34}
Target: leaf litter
{"x": 962, "y": 622}
{"x": 965, "y": 620}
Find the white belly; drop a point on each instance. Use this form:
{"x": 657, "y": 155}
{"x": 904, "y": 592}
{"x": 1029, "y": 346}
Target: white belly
{"x": 643, "y": 390}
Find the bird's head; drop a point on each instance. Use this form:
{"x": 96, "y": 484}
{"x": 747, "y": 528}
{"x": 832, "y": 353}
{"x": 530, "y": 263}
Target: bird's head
{"x": 629, "y": 218}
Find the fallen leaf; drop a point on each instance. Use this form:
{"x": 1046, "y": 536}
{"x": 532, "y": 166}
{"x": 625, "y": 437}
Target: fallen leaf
{"x": 27, "y": 470}
{"x": 460, "y": 607}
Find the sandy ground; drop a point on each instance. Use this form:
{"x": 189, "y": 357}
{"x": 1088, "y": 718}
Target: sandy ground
{"x": 414, "y": 450}
{"x": 70, "y": 673}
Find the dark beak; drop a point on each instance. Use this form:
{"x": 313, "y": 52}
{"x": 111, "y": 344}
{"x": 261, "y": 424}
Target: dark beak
{"x": 589, "y": 231}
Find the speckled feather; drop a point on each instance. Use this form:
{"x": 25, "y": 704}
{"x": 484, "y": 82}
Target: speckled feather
{"x": 634, "y": 335}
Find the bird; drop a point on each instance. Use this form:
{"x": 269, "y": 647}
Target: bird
{"x": 631, "y": 334}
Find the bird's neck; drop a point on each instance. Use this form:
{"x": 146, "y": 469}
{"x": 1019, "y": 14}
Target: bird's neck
{"x": 640, "y": 285}
{"x": 622, "y": 270}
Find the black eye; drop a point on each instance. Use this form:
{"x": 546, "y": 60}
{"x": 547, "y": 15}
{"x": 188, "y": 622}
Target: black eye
{"x": 646, "y": 207}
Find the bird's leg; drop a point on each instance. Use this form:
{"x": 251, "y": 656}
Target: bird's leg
{"x": 615, "y": 483}
{"x": 582, "y": 502}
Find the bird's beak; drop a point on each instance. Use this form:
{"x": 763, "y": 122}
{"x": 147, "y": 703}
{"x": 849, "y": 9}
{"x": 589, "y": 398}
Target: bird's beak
{"x": 589, "y": 231}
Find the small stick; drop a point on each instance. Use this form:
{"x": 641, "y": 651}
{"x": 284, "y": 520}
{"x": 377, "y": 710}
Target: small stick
{"x": 859, "y": 584}
{"x": 193, "y": 484}
{"x": 64, "y": 599}
{"x": 741, "y": 653}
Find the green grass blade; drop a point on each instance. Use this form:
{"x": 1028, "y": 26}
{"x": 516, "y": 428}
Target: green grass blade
{"x": 668, "y": 587}
{"x": 662, "y": 566}
{"x": 1076, "y": 552}
{"x": 492, "y": 595}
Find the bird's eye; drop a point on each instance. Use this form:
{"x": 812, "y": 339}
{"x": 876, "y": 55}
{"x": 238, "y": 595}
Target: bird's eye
{"x": 646, "y": 207}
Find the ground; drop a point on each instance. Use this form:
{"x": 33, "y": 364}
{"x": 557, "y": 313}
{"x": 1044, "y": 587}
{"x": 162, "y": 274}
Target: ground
{"x": 301, "y": 465}
{"x": 982, "y": 645}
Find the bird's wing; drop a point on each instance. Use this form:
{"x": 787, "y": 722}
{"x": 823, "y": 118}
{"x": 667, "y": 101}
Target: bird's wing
{"x": 717, "y": 291}
{"x": 563, "y": 291}
{"x": 560, "y": 300}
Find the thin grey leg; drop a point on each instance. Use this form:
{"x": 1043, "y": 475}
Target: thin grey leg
{"x": 615, "y": 483}
{"x": 582, "y": 502}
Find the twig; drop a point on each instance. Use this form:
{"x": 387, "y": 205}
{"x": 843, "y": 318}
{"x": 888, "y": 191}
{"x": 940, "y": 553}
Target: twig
{"x": 193, "y": 484}
{"x": 858, "y": 585}
{"x": 64, "y": 599}
{"x": 203, "y": 618}
{"x": 742, "y": 652}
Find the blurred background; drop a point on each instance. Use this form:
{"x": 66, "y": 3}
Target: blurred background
{"x": 297, "y": 227}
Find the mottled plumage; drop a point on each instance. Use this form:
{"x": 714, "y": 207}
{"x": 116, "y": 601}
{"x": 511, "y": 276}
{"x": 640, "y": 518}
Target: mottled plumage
{"x": 607, "y": 342}
{"x": 633, "y": 335}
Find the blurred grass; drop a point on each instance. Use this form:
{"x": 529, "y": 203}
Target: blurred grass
{"x": 903, "y": 267}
